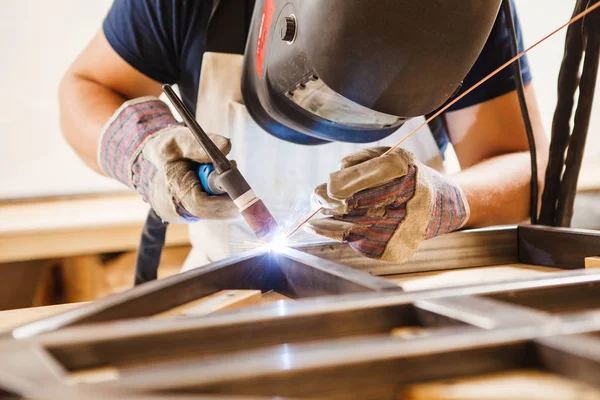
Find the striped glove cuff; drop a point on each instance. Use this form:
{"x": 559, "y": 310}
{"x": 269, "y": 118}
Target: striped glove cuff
{"x": 450, "y": 207}
{"x": 122, "y": 137}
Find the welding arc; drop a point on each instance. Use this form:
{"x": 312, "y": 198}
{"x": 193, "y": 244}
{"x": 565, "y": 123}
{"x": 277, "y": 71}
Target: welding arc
{"x": 481, "y": 82}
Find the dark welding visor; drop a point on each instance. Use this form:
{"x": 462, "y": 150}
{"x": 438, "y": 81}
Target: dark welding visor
{"x": 355, "y": 70}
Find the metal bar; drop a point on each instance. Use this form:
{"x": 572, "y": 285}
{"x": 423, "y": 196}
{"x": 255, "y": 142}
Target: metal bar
{"x": 465, "y": 249}
{"x": 316, "y": 319}
{"x": 574, "y": 356}
{"x": 360, "y": 367}
{"x": 345, "y": 369}
{"x": 326, "y": 276}
{"x": 557, "y": 247}
{"x": 480, "y": 312}
{"x": 557, "y": 301}
{"x": 246, "y": 271}
{"x": 292, "y": 272}
{"x": 136, "y": 343}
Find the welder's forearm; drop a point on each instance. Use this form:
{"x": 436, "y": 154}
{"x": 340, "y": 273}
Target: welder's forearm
{"x": 85, "y": 107}
{"x": 498, "y": 189}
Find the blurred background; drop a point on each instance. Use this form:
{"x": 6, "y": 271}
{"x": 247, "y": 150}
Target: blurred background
{"x": 41, "y": 43}
{"x": 42, "y": 225}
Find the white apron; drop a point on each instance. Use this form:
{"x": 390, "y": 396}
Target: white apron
{"x": 281, "y": 173}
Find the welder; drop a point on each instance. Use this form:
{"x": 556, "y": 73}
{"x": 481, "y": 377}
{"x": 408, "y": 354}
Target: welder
{"x": 293, "y": 87}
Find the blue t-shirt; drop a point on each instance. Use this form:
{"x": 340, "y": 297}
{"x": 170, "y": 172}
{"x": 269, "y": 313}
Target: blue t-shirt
{"x": 165, "y": 40}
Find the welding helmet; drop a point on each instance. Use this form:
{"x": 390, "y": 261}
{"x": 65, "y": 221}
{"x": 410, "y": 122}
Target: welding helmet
{"x": 355, "y": 70}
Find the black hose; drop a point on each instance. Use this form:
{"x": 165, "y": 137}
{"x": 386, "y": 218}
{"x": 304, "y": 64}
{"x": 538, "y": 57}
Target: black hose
{"x": 518, "y": 73}
{"x": 575, "y": 152}
{"x": 150, "y": 249}
{"x": 568, "y": 80}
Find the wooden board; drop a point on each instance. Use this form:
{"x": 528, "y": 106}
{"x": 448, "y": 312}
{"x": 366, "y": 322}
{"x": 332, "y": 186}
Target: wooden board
{"x": 12, "y": 318}
{"x": 273, "y": 296}
{"x": 510, "y": 385}
{"x": 90, "y": 277}
{"x": 592, "y": 262}
{"x": 73, "y": 226}
{"x": 223, "y": 300}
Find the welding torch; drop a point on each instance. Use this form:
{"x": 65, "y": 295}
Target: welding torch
{"x": 223, "y": 177}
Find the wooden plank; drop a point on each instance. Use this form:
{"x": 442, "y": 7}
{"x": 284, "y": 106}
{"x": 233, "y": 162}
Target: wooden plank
{"x": 592, "y": 262}
{"x": 223, "y": 300}
{"x": 272, "y": 296}
{"x": 20, "y": 282}
{"x": 464, "y": 249}
{"x": 557, "y": 247}
{"x": 467, "y": 276}
{"x": 75, "y": 226}
{"x": 10, "y": 319}
{"x": 87, "y": 278}
{"x": 509, "y": 385}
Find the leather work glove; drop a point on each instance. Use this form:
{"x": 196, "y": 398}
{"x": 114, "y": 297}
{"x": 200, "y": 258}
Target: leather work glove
{"x": 384, "y": 206}
{"x": 144, "y": 147}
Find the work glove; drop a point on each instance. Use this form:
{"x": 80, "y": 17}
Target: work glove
{"x": 384, "y": 206}
{"x": 144, "y": 147}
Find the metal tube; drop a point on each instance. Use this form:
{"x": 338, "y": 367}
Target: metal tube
{"x": 220, "y": 162}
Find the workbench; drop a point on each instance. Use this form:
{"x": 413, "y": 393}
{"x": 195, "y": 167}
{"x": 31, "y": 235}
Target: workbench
{"x": 65, "y": 227}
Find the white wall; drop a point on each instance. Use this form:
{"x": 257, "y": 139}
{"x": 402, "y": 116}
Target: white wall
{"x": 38, "y": 41}
{"x": 39, "y": 38}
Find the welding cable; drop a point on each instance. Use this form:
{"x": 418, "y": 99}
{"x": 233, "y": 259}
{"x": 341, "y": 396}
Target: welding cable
{"x": 150, "y": 249}
{"x": 518, "y": 73}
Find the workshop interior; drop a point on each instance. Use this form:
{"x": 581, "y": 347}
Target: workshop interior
{"x": 300, "y": 199}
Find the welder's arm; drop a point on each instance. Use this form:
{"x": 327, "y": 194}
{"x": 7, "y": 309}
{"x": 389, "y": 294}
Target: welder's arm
{"x": 385, "y": 205}
{"x": 112, "y": 118}
{"x": 98, "y": 82}
{"x": 491, "y": 145}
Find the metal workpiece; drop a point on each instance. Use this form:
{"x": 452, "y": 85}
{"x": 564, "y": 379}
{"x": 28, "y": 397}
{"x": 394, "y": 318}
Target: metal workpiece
{"x": 348, "y": 334}
{"x": 446, "y": 313}
{"x": 289, "y": 272}
{"x": 373, "y": 366}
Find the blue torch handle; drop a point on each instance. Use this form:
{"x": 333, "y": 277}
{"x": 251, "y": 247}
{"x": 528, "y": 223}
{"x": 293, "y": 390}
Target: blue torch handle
{"x": 204, "y": 172}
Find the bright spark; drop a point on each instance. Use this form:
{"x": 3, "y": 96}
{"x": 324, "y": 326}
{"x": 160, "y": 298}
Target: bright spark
{"x": 278, "y": 243}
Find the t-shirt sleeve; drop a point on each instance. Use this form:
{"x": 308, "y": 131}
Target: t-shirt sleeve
{"x": 496, "y": 52}
{"x": 148, "y": 35}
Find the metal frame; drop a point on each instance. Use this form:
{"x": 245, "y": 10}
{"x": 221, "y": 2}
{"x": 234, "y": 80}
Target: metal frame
{"x": 299, "y": 273}
{"x": 342, "y": 345}
{"x": 290, "y": 272}
{"x": 338, "y": 333}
